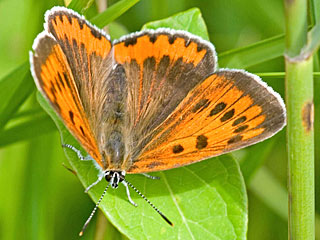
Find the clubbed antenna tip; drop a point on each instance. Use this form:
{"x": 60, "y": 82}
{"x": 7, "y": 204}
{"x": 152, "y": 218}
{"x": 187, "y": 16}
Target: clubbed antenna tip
{"x": 147, "y": 200}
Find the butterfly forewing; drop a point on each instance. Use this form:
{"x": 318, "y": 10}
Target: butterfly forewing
{"x": 88, "y": 51}
{"x": 228, "y": 110}
{"x": 55, "y": 80}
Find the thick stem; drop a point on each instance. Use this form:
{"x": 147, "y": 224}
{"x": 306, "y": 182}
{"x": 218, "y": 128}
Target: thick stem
{"x": 296, "y": 26}
{"x": 300, "y": 133}
{"x": 299, "y": 90}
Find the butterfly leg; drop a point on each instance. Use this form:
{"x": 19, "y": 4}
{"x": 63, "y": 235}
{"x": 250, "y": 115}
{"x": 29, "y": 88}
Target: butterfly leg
{"x": 149, "y": 176}
{"x": 128, "y": 194}
{"x": 77, "y": 151}
{"x": 100, "y": 176}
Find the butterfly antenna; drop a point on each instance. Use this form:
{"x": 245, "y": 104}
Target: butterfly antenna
{"x": 150, "y": 203}
{"x": 93, "y": 212}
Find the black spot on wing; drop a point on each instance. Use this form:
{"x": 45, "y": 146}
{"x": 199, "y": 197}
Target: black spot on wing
{"x": 67, "y": 79}
{"x": 53, "y": 92}
{"x": 227, "y": 115}
{"x": 171, "y": 38}
{"x": 202, "y": 142}
{"x": 96, "y": 33}
{"x": 177, "y": 149}
{"x": 239, "y": 120}
{"x": 81, "y": 129}
{"x": 218, "y": 108}
{"x": 130, "y": 41}
{"x": 201, "y": 105}
{"x": 199, "y": 48}
{"x": 81, "y": 23}
{"x": 153, "y": 38}
{"x": 60, "y": 80}
{"x": 60, "y": 16}
{"x": 241, "y": 128}
{"x": 71, "y": 117}
{"x": 57, "y": 84}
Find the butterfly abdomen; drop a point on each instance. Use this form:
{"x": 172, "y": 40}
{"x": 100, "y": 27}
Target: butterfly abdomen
{"x": 114, "y": 151}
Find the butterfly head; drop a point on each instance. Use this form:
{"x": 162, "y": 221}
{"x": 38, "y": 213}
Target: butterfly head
{"x": 115, "y": 177}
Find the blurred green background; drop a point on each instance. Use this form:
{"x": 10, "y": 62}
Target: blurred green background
{"x": 40, "y": 199}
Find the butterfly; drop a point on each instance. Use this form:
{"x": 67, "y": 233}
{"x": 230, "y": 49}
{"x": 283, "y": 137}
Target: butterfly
{"x": 150, "y": 101}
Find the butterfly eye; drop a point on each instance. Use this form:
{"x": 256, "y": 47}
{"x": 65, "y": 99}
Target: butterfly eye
{"x": 108, "y": 176}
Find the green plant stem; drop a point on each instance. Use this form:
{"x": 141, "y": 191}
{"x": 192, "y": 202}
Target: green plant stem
{"x": 299, "y": 92}
{"x": 300, "y": 133}
{"x": 296, "y": 26}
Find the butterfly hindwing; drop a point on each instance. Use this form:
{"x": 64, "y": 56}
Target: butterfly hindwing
{"x": 54, "y": 79}
{"x": 227, "y": 111}
{"x": 161, "y": 67}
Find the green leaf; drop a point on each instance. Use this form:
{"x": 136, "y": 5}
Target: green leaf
{"x": 14, "y": 90}
{"x": 253, "y": 54}
{"x": 190, "y": 20}
{"x": 112, "y": 12}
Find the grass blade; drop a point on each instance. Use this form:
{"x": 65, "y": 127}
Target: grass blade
{"x": 14, "y": 90}
{"x": 112, "y": 12}
{"x": 80, "y": 5}
{"x": 27, "y": 130}
{"x": 253, "y": 54}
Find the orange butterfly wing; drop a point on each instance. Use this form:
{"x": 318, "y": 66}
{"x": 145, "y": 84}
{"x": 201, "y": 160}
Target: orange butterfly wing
{"x": 71, "y": 57}
{"x": 88, "y": 51}
{"x": 227, "y": 111}
{"x": 55, "y": 80}
{"x": 161, "y": 67}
